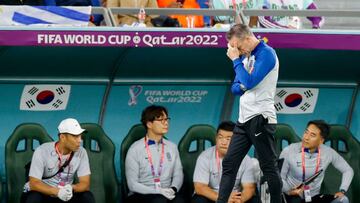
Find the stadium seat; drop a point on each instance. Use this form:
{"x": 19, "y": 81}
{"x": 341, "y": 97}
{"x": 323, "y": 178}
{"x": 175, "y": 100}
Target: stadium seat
{"x": 342, "y": 141}
{"x": 285, "y": 133}
{"x": 20, "y": 147}
{"x": 198, "y": 134}
{"x": 137, "y": 132}
{"x": 284, "y": 136}
{"x": 101, "y": 152}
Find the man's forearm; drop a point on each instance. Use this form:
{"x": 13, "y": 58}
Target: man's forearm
{"x": 141, "y": 188}
{"x": 43, "y": 188}
{"x": 247, "y": 193}
{"x": 207, "y": 192}
{"x": 246, "y": 196}
{"x": 81, "y": 187}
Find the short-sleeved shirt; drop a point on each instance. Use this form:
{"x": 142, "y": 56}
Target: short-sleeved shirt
{"x": 240, "y": 4}
{"x": 207, "y": 170}
{"x": 45, "y": 163}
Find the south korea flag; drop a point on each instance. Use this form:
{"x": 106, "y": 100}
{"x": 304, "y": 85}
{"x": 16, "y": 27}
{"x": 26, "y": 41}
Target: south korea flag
{"x": 296, "y": 100}
{"x": 45, "y": 97}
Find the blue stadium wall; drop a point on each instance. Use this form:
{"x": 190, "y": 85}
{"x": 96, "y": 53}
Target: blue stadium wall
{"x": 199, "y": 97}
{"x": 204, "y": 105}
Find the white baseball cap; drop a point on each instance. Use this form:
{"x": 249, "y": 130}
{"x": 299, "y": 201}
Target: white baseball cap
{"x": 70, "y": 126}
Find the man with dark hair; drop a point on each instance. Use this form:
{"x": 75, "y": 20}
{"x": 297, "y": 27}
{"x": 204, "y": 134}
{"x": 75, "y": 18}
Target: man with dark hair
{"x": 303, "y": 159}
{"x": 225, "y": 126}
{"x": 322, "y": 126}
{"x": 152, "y": 166}
{"x": 152, "y": 112}
{"x": 53, "y": 168}
{"x": 207, "y": 173}
{"x": 256, "y": 69}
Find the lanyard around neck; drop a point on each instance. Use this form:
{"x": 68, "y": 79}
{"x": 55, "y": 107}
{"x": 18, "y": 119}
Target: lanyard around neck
{"x": 218, "y": 160}
{"x": 150, "y": 158}
{"x": 59, "y": 158}
{"x": 303, "y": 161}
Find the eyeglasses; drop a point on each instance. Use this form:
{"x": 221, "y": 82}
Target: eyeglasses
{"x": 163, "y": 120}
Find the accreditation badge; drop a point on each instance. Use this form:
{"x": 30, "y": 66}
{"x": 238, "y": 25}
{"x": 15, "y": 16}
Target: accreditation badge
{"x": 157, "y": 183}
{"x": 307, "y": 193}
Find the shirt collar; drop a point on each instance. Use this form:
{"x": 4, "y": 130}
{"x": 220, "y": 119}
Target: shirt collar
{"x": 308, "y": 150}
{"x": 150, "y": 142}
{"x": 261, "y": 44}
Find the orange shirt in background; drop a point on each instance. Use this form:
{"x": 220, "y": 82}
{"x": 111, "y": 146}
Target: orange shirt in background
{"x": 185, "y": 21}
{"x": 164, "y": 3}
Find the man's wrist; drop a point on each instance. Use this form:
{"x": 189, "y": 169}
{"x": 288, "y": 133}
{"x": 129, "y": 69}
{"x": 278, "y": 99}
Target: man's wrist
{"x": 74, "y": 188}
{"x": 174, "y": 189}
{"x": 294, "y": 192}
{"x": 55, "y": 191}
{"x": 343, "y": 191}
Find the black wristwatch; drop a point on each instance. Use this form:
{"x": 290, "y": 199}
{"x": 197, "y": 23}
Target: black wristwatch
{"x": 343, "y": 191}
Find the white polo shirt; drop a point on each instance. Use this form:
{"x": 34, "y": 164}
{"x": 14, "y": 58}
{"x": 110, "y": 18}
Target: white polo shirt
{"x": 207, "y": 171}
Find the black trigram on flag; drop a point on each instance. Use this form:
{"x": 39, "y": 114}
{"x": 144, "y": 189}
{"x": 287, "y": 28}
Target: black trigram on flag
{"x": 278, "y": 106}
{"x": 305, "y": 106}
{"x": 33, "y": 90}
{"x": 30, "y": 103}
{"x": 45, "y": 97}
{"x": 57, "y": 103}
{"x": 308, "y": 94}
{"x": 294, "y": 100}
{"x": 281, "y": 93}
{"x": 60, "y": 90}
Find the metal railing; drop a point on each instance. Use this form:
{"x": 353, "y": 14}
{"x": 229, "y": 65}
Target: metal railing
{"x": 105, "y": 13}
{"x": 303, "y": 13}
{"x": 350, "y": 15}
{"x": 241, "y": 17}
{"x": 243, "y": 14}
{"x": 171, "y": 11}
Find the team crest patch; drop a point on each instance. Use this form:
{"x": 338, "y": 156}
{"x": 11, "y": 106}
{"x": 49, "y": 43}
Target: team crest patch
{"x": 49, "y": 170}
{"x": 53, "y": 153}
{"x": 168, "y": 156}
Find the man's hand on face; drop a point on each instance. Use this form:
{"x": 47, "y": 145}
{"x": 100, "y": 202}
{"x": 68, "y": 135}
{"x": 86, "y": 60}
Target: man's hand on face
{"x": 233, "y": 52}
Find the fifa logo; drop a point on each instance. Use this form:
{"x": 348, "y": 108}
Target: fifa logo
{"x": 134, "y": 92}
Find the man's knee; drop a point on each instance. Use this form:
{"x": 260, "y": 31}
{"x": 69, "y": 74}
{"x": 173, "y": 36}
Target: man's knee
{"x": 31, "y": 197}
{"x": 146, "y": 198}
{"x": 343, "y": 199}
{"x": 200, "y": 199}
{"x": 87, "y": 197}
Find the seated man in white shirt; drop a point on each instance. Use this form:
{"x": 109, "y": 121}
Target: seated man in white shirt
{"x": 153, "y": 168}
{"x": 53, "y": 169}
{"x": 208, "y": 171}
{"x": 303, "y": 159}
